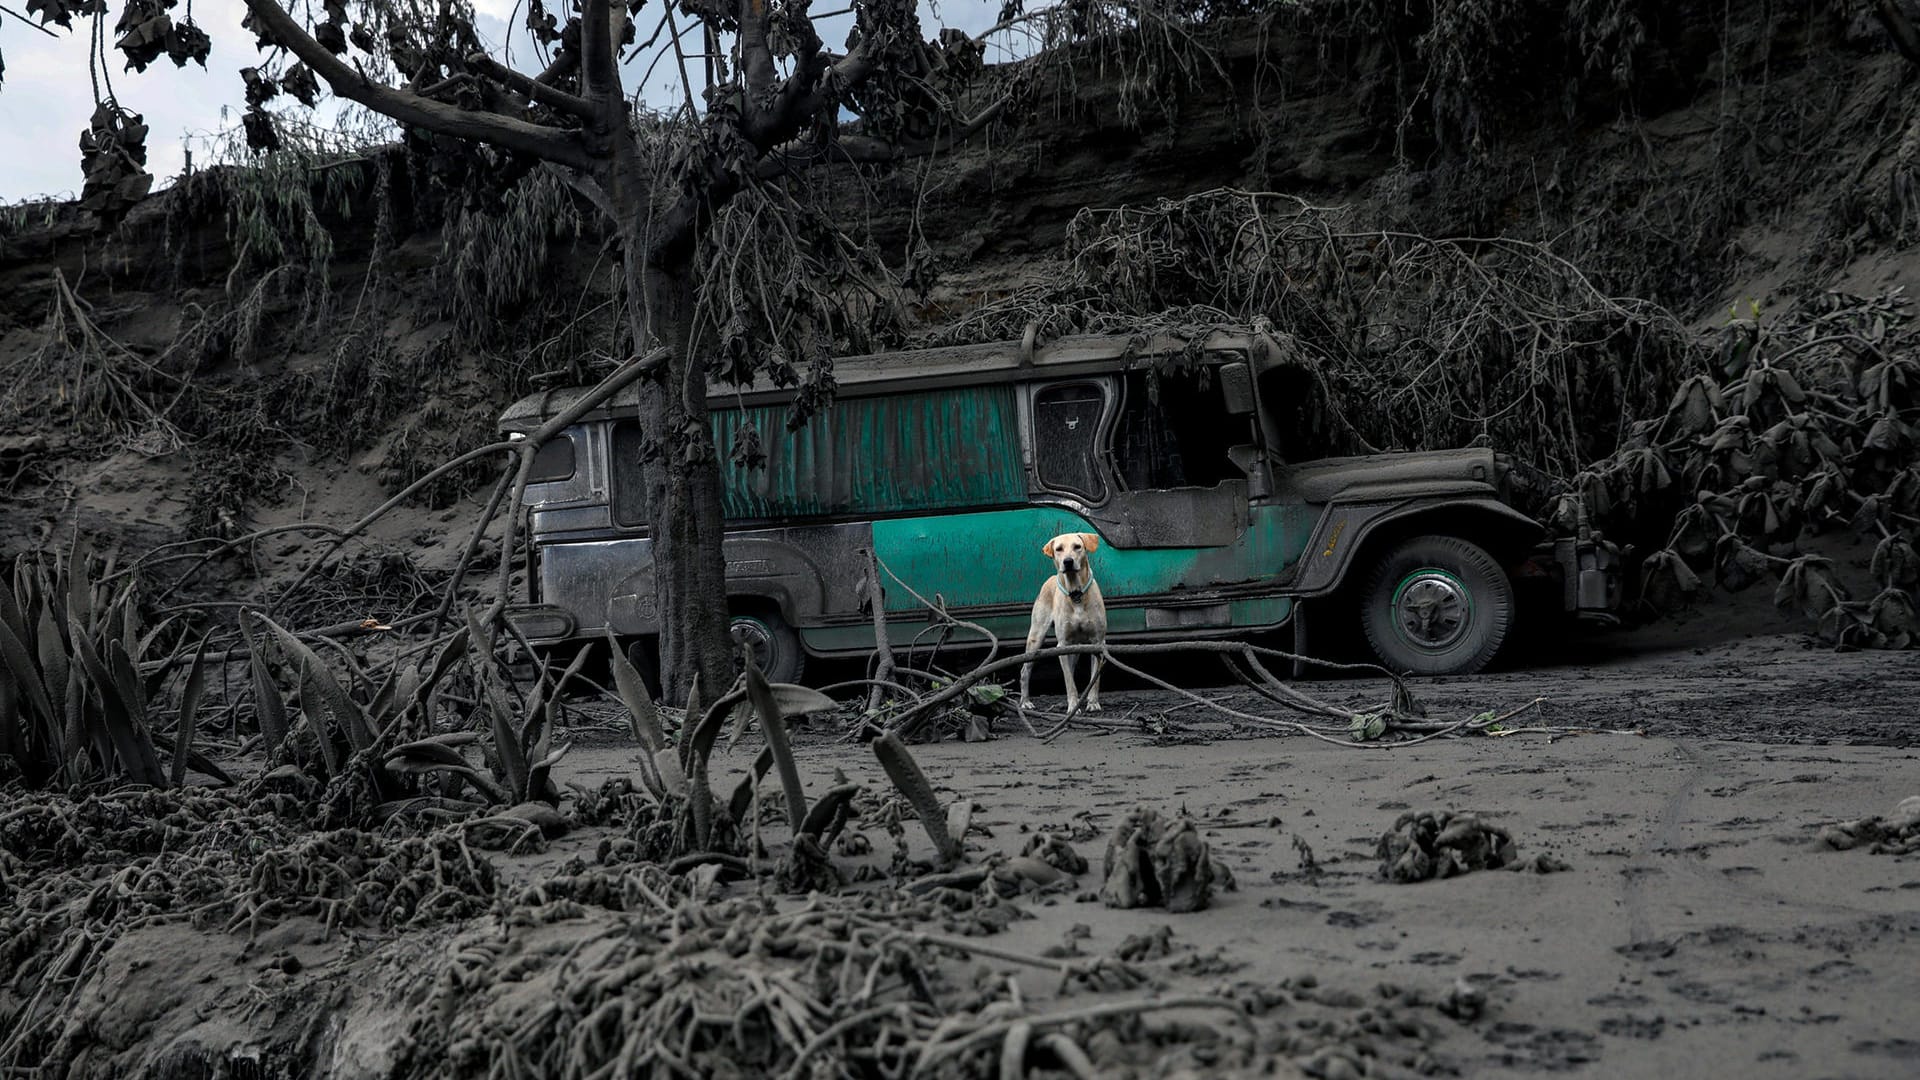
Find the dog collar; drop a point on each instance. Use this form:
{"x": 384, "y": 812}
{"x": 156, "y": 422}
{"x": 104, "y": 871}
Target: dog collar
{"x": 1075, "y": 594}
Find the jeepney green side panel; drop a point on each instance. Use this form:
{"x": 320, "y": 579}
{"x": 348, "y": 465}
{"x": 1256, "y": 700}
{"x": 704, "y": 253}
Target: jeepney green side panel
{"x": 897, "y": 453}
{"x": 995, "y": 558}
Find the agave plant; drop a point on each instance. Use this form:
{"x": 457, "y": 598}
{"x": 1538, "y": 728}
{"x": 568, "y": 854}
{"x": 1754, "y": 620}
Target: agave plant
{"x": 74, "y": 705}
{"x": 676, "y": 775}
{"x": 336, "y": 729}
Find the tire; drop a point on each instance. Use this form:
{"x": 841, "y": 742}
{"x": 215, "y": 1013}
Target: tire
{"x": 1437, "y": 605}
{"x": 776, "y": 645}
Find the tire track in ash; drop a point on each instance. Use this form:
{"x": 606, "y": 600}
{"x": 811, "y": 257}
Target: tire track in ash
{"x": 1644, "y": 864}
{"x": 1662, "y": 847}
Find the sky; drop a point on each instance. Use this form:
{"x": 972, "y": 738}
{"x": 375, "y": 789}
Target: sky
{"x": 46, "y": 91}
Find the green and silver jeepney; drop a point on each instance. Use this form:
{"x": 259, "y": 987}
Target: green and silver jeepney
{"x": 955, "y": 465}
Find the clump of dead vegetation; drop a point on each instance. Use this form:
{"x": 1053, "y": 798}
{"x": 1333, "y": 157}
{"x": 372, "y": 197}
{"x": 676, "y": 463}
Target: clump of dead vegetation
{"x": 1423, "y": 844}
{"x": 1897, "y": 833}
{"x": 1802, "y": 431}
{"x": 1155, "y": 862}
{"x": 1400, "y": 341}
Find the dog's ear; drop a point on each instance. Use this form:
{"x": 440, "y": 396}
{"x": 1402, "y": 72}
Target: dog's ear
{"x": 1047, "y": 548}
{"x": 1092, "y": 540}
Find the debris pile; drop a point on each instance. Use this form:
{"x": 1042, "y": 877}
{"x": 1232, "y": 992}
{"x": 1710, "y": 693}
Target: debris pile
{"x": 1425, "y": 844}
{"x": 679, "y": 979}
{"x": 1153, "y": 862}
{"x": 1897, "y": 833}
{"x": 78, "y": 874}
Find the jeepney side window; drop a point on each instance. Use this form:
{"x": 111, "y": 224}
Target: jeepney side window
{"x": 1066, "y": 433}
{"x": 1175, "y": 432}
{"x": 629, "y": 494}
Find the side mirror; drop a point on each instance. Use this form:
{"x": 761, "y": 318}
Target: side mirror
{"x": 1236, "y": 387}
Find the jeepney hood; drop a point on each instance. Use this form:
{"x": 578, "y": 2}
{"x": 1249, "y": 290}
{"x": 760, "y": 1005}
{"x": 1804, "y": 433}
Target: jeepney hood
{"x": 1388, "y": 476}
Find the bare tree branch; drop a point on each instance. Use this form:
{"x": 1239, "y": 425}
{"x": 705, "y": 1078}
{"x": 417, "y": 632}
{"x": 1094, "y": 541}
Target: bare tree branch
{"x": 599, "y": 51}
{"x": 756, "y": 54}
{"x": 795, "y": 100}
{"x": 533, "y": 88}
{"x": 805, "y": 94}
{"x": 547, "y": 143}
{"x": 566, "y": 62}
{"x": 588, "y": 188}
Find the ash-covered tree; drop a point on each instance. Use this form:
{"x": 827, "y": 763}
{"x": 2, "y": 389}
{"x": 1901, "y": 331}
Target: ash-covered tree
{"x": 731, "y": 270}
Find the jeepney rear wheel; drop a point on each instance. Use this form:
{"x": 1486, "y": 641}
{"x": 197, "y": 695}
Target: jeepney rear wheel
{"x": 1437, "y": 605}
{"x": 775, "y": 645}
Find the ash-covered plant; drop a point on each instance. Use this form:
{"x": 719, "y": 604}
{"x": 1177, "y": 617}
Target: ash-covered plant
{"x": 273, "y": 208}
{"x": 78, "y": 701}
{"x": 674, "y": 815}
{"x": 82, "y": 379}
{"x": 385, "y": 744}
{"x": 335, "y": 731}
{"x": 1804, "y": 432}
{"x": 678, "y": 812}
{"x": 1469, "y": 72}
{"x": 499, "y": 254}
{"x": 1397, "y": 341}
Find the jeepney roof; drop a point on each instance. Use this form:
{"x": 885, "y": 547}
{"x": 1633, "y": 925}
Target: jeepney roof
{"x": 924, "y": 369}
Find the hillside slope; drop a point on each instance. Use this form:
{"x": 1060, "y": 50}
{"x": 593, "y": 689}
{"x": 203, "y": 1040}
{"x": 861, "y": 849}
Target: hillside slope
{"x": 251, "y": 350}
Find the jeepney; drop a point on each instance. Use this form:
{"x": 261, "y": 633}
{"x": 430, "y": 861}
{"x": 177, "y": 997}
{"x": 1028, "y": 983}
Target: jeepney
{"x": 954, "y": 465}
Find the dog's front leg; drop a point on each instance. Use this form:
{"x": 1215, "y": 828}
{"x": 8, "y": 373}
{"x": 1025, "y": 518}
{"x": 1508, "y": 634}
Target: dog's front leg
{"x": 1066, "y": 672}
{"x": 1093, "y": 682}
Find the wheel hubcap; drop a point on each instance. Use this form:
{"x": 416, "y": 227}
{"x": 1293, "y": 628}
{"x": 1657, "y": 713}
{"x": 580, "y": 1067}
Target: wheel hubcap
{"x": 751, "y": 638}
{"x": 1431, "y": 609}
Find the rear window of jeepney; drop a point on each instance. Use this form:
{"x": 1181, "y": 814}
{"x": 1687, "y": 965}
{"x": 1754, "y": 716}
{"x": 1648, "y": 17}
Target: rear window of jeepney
{"x": 629, "y": 480}
{"x": 553, "y": 462}
{"x": 930, "y": 450}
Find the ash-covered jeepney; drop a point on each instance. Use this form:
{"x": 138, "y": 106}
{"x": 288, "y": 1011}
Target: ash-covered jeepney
{"x": 954, "y": 465}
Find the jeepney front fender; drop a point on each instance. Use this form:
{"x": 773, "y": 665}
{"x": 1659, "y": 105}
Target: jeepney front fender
{"x": 1350, "y": 533}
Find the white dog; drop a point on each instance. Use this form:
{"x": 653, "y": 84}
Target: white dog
{"x": 1070, "y": 604}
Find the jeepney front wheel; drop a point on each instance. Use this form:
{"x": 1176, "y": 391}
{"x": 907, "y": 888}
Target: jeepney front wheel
{"x": 1437, "y": 605}
{"x": 775, "y": 645}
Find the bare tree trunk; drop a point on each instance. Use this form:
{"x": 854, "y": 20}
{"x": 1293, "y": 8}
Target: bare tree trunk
{"x": 682, "y": 470}
{"x": 683, "y": 486}
{"x": 704, "y": 615}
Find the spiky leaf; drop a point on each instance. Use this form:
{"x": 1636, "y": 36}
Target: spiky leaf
{"x": 269, "y": 709}
{"x": 189, "y": 711}
{"x": 642, "y": 716}
{"x": 905, "y": 773}
{"x": 774, "y": 726}
{"x": 330, "y": 707}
